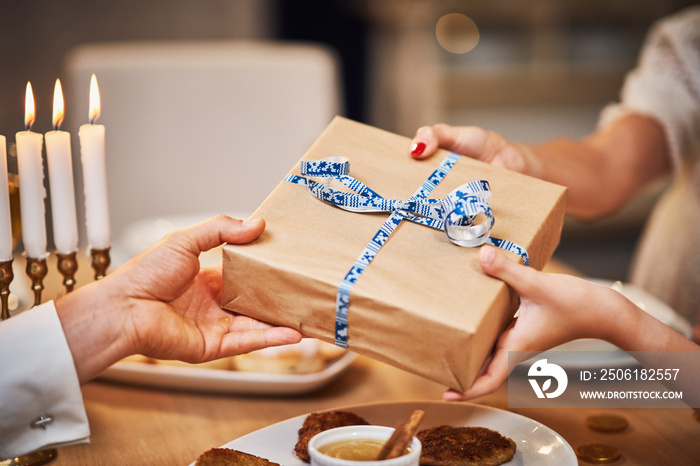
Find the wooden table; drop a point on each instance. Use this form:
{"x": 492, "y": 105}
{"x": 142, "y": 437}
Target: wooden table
{"x": 134, "y": 425}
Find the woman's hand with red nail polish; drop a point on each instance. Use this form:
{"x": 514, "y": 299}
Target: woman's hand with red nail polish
{"x": 417, "y": 149}
{"x": 471, "y": 141}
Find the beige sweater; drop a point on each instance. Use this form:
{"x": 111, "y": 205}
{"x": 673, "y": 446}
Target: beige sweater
{"x": 666, "y": 85}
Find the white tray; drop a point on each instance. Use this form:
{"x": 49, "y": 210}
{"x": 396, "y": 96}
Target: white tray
{"x": 224, "y": 381}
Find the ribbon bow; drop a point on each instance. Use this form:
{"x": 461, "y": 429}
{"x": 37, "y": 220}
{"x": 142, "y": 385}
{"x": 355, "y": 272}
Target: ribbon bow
{"x": 455, "y": 214}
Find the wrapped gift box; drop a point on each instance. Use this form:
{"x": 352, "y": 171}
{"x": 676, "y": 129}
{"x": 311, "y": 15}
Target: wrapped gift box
{"x": 423, "y": 304}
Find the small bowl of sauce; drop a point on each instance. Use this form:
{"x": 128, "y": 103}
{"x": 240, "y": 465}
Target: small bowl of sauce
{"x": 358, "y": 446}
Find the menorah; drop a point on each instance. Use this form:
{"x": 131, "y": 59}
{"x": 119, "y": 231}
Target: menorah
{"x": 28, "y": 150}
{"x": 37, "y": 269}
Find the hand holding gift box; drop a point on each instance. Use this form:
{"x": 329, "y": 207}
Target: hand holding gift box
{"x": 422, "y": 303}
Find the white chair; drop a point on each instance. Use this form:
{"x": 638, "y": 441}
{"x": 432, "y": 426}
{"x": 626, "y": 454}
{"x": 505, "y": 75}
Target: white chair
{"x": 197, "y": 128}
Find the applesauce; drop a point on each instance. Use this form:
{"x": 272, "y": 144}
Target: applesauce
{"x": 356, "y": 449}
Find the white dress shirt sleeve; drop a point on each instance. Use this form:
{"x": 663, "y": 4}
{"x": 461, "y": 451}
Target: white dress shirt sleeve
{"x": 41, "y": 405}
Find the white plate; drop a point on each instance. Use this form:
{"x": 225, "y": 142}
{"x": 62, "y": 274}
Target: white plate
{"x": 223, "y": 381}
{"x": 613, "y": 356}
{"x": 536, "y": 444}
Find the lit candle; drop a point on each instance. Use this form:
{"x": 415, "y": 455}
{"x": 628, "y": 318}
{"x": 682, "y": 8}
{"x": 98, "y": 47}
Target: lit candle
{"x": 5, "y": 218}
{"x": 92, "y": 155}
{"x": 58, "y": 157}
{"x": 31, "y": 180}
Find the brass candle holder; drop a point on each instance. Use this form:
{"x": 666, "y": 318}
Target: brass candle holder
{"x": 67, "y": 265}
{"x": 37, "y": 270}
{"x": 6, "y": 277}
{"x": 100, "y": 262}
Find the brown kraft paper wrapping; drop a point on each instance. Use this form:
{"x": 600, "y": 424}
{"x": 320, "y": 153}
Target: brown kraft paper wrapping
{"x": 423, "y": 304}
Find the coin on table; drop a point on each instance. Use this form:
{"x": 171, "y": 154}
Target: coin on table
{"x": 607, "y": 422}
{"x": 598, "y": 453}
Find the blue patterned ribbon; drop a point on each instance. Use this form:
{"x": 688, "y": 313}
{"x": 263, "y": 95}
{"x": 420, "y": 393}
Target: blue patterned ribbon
{"x": 455, "y": 214}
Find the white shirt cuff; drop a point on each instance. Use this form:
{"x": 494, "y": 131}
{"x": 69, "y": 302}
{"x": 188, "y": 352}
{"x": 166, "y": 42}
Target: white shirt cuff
{"x": 40, "y": 398}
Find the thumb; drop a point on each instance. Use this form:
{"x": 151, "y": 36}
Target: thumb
{"x": 240, "y": 232}
{"x": 520, "y": 277}
{"x": 222, "y": 229}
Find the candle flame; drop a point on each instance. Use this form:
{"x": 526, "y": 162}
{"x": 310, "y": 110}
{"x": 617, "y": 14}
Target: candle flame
{"x": 58, "y": 106}
{"x": 29, "y": 112}
{"x": 95, "y": 109}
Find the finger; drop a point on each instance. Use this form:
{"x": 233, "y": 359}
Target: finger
{"x": 424, "y": 143}
{"x": 496, "y": 373}
{"x": 250, "y": 340}
{"x": 221, "y": 229}
{"x": 521, "y": 278}
{"x": 240, "y": 232}
{"x": 471, "y": 141}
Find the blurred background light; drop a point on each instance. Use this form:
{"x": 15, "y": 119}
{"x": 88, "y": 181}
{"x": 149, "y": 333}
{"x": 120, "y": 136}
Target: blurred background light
{"x": 457, "y": 33}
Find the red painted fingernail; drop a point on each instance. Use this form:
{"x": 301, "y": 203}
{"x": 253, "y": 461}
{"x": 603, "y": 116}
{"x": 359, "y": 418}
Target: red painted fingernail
{"x": 417, "y": 148}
